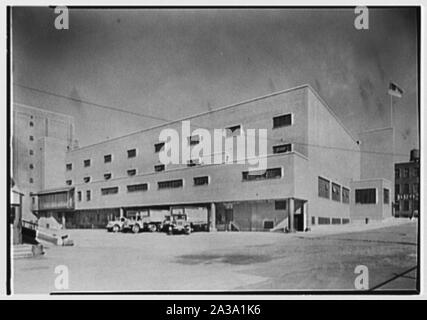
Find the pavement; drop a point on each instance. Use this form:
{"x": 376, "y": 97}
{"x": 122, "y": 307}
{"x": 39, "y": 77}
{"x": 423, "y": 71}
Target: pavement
{"x": 322, "y": 259}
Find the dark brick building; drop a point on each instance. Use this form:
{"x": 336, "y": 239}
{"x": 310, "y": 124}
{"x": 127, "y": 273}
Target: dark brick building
{"x": 407, "y": 186}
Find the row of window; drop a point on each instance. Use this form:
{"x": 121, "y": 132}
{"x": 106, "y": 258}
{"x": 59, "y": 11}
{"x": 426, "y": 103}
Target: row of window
{"x": 405, "y": 206}
{"x": 339, "y": 194}
{"x": 169, "y": 184}
{"x": 369, "y": 196}
{"x": 283, "y": 148}
{"x": 272, "y": 173}
{"x": 278, "y": 122}
{"x": 406, "y": 172}
{"x": 406, "y": 188}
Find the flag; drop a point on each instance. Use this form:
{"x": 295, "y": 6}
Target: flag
{"x": 394, "y": 90}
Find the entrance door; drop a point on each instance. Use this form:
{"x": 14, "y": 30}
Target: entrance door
{"x": 229, "y": 216}
{"x": 299, "y": 215}
{"x": 299, "y": 222}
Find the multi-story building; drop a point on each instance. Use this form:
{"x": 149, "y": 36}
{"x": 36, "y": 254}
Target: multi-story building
{"x": 312, "y": 176}
{"x": 40, "y": 140}
{"x": 407, "y": 186}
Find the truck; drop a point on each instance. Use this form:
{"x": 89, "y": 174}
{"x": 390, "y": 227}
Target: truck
{"x": 186, "y": 219}
{"x": 177, "y": 223}
{"x": 116, "y": 224}
{"x": 145, "y": 220}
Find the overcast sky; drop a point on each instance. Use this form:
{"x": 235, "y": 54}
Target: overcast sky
{"x": 173, "y": 63}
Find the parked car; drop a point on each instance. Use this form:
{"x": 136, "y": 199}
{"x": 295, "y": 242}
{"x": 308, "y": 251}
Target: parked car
{"x": 116, "y": 225}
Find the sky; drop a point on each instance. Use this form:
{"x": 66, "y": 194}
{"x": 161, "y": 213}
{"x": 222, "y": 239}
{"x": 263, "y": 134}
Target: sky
{"x": 170, "y": 63}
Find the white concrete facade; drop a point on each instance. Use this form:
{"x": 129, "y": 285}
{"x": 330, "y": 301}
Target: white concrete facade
{"x": 321, "y": 147}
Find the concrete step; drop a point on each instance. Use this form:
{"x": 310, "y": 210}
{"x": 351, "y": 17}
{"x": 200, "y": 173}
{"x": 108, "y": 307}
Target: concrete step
{"x": 26, "y": 251}
{"x": 22, "y": 248}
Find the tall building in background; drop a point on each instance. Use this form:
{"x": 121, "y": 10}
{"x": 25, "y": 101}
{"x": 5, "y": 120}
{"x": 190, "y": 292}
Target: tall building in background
{"x": 407, "y": 186}
{"x": 40, "y": 140}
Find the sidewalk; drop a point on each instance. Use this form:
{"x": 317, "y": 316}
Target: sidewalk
{"x": 355, "y": 227}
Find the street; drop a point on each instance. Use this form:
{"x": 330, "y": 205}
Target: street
{"x": 226, "y": 261}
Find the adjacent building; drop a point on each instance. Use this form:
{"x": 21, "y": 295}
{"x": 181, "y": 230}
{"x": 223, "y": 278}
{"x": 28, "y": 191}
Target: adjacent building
{"x": 313, "y": 175}
{"x": 407, "y": 186}
{"x": 40, "y": 140}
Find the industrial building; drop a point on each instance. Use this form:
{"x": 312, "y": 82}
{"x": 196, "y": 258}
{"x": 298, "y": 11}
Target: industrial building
{"x": 314, "y": 171}
{"x": 407, "y": 186}
{"x": 40, "y": 140}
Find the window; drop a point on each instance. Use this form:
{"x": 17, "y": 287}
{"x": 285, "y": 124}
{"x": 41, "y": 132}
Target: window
{"x": 416, "y": 188}
{"x": 386, "y": 193}
{"x": 170, "y": 184}
{"x": 233, "y": 131}
{"x": 366, "y": 196}
{"x": 111, "y": 190}
{"x": 31, "y": 166}
{"x": 107, "y": 176}
{"x": 282, "y": 148}
{"x": 69, "y": 182}
{"x": 69, "y": 166}
{"x": 137, "y": 187}
{"x": 262, "y": 174}
{"x": 406, "y": 205}
{"x": 159, "y": 147}
{"x": 322, "y": 220}
{"x": 79, "y": 196}
{"x": 336, "y": 221}
{"x": 31, "y": 124}
{"x": 132, "y": 153}
{"x": 31, "y": 152}
{"x": 323, "y": 188}
{"x": 107, "y": 158}
{"x": 131, "y": 172}
{"x": 345, "y": 195}
{"x": 192, "y": 163}
{"x": 268, "y": 224}
{"x": 416, "y": 172}
{"x": 397, "y": 173}
{"x": 86, "y": 163}
{"x": 200, "y": 181}
{"x": 406, "y": 188}
{"x": 336, "y": 192}
{"x": 397, "y": 206}
{"x": 397, "y": 189}
{"x": 86, "y": 179}
{"x": 159, "y": 167}
{"x": 31, "y": 138}
{"x": 406, "y": 172}
{"x": 31, "y": 180}
{"x": 193, "y": 140}
{"x": 87, "y": 195}
{"x": 280, "y": 205}
{"x": 282, "y": 121}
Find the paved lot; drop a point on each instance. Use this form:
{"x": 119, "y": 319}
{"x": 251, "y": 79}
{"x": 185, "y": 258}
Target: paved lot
{"x": 322, "y": 259}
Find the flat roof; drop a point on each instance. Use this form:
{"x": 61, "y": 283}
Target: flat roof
{"x": 222, "y": 109}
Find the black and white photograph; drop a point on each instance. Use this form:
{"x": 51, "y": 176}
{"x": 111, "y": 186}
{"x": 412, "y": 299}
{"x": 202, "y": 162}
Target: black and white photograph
{"x": 214, "y": 150}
